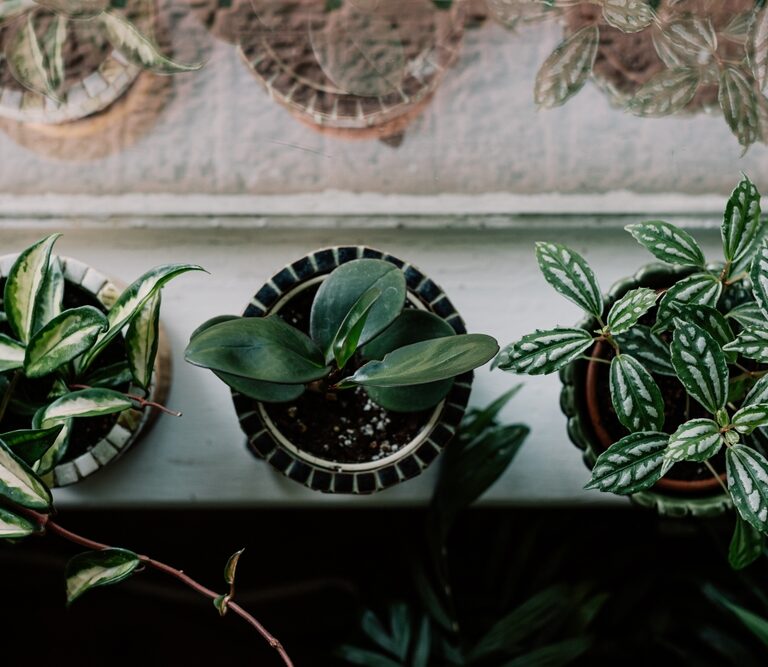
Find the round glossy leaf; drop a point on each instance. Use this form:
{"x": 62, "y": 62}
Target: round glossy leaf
{"x": 268, "y": 392}
{"x": 412, "y": 326}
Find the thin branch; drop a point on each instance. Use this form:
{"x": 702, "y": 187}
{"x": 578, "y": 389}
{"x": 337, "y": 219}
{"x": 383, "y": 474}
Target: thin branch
{"x": 716, "y": 475}
{"x": 143, "y": 402}
{"x": 50, "y": 526}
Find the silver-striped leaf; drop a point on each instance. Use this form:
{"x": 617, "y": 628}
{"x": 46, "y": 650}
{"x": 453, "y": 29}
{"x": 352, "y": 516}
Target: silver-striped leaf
{"x": 23, "y": 285}
{"x": 635, "y": 395}
{"x": 746, "y": 546}
{"x": 544, "y": 352}
{"x": 141, "y": 341}
{"x": 665, "y": 93}
{"x": 567, "y": 68}
{"x": 65, "y": 337}
{"x": 627, "y": 15}
{"x": 737, "y": 100}
{"x": 757, "y": 47}
{"x": 689, "y": 41}
{"x": 569, "y": 273}
{"x": 758, "y": 393}
{"x": 626, "y": 312}
{"x": 648, "y": 347}
{"x": 759, "y": 277}
{"x": 741, "y": 223}
{"x": 748, "y": 484}
{"x": 25, "y": 58}
{"x": 83, "y": 403}
{"x": 699, "y": 288}
{"x": 51, "y": 295}
{"x": 710, "y": 319}
{"x": 668, "y": 243}
{"x": 630, "y": 465}
{"x": 11, "y": 354}
{"x": 31, "y": 444}
{"x": 98, "y": 568}
{"x": 750, "y": 417}
{"x": 13, "y": 526}
{"x": 700, "y": 365}
{"x": 695, "y": 440}
{"x": 19, "y": 484}
{"x": 751, "y": 343}
{"x": 748, "y": 315}
{"x": 132, "y": 301}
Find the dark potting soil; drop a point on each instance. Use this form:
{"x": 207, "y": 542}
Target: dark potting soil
{"x": 86, "y": 432}
{"x": 344, "y": 426}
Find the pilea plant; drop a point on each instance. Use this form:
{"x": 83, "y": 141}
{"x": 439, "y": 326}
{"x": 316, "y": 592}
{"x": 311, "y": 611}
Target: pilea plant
{"x": 52, "y": 368}
{"x": 709, "y": 332}
{"x": 404, "y": 358}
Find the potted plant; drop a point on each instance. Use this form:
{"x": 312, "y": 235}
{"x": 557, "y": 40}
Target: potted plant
{"x": 78, "y": 361}
{"x": 665, "y": 383}
{"x": 350, "y": 369}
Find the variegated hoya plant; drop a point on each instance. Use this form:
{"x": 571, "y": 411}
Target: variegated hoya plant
{"x": 710, "y": 332}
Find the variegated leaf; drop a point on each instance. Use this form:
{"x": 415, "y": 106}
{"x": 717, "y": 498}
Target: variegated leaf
{"x": 741, "y": 223}
{"x": 758, "y": 393}
{"x": 635, "y": 395}
{"x": 51, "y": 295}
{"x": 230, "y": 569}
{"x": 137, "y": 48}
{"x": 759, "y": 277}
{"x": 626, "y": 312}
{"x": 13, "y": 526}
{"x": 569, "y": 273}
{"x": 737, "y": 101}
{"x": 141, "y": 341}
{"x": 19, "y": 484}
{"x": 710, "y": 319}
{"x": 23, "y": 286}
{"x": 627, "y": 15}
{"x": 11, "y": 354}
{"x": 695, "y": 440}
{"x": 757, "y": 47}
{"x": 544, "y": 351}
{"x": 31, "y": 444}
{"x": 61, "y": 340}
{"x": 567, "y": 69}
{"x": 700, "y": 365}
{"x": 347, "y": 337}
{"x": 750, "y": 417}
{"x": 57, "y": 450}
{"x": 748, "y": 484}
{"x": 132, "y": 301}
{"x": 746, "y": 546}
{"x": 665, "y": 93}
{"x": 748, "y": 315}
{"x": 649, "y": 348}
{"x": 53, "y": 50}
{"x": 83, "y": 403}
{"x": 751, "y": 343}
{"x": 25, "y": 58}
{"x": 668, "y": 243}
{"x": 689, "y": 41}
{"x": 697, "y": 289}
{"x": 98, "y": 568}
{"x": 630, "y": 465}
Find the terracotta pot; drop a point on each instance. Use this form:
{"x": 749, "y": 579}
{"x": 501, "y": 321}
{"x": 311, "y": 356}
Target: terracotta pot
{"x": 129, "y": 425}
{"x": 265, "y": 439}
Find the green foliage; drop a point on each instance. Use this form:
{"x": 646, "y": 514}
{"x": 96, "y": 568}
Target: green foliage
{"x": 635, "y": 395}
{"x": 98, "y": 568}
{"x": 405, "y": 359}
{"x": 630, "y": 465}
{"x": 668, "y": 243}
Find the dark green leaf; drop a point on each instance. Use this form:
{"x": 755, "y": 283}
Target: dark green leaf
{"x": 410, "y": 399}
{"x": 30, "y": 444}
{"x": 554, "y": 655}
{"x": 748, "y": 315}
{"x": 361, "y": 656}
{"x": 345, "y": 342}
{"x": 741, "y": 221}
{"x": 19, "y": 484}
{"x": 423, "y": 644}
{"x": 759, "y": 278}
{"x": 746, "y": 546}
{"x": 748, "y": 484}
{"x": 750, "y": 417}
{"x": 699, "y": 288}
{"x": 14, "y": 526}
{"x": 635, "y": 395}
{"x": 630, "y": 465}
{"x": 411, "y": 326}
{"x": 626, "y": 312}
{"x": 750, "y": 343}
{"x": 648, "y": 348}
{"x": 758, "y": 393}
{"x": 757, "y": 625}
{"x": 112, "y": 376}
{"x": 710, "y": 319}
{"x": 476, "y": 420}
{"x": 544, "y": 351}
{"x": 268, "y": 392}
{"x": 569, "y": 273}
{"x": 98, "y": 568}
{"x": 695, "y": 440}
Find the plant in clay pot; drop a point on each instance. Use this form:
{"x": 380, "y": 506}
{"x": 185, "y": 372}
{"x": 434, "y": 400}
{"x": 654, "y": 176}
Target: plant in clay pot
{"x": 676, "y": 377}
{"x": 350, "y": 372}
{"x": 77, "y": 360}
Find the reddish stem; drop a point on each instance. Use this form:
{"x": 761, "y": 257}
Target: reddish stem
{"x": 47, "y": 525}
{"x": 143, "y": 402}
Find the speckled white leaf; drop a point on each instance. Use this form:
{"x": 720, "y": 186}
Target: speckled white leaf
{"x": 14, "y": 526}
{"x": 751, "y": 343}
{"x": 11, "y": 354}
{"x": 625, "y": 313}
{"x": 699, "y": 288}
{"x": 635, "y": 395}
{"x": 665, "y": 93}
{"x": 83, "y": 403}
{"x": 689, "y": 41}
{"x": 700, "y": 365}
{"x": 750, "y": 417}
{"x": 757, "y": 47}
{"x": 648, "y": 348}
{"x": 748, "y": 315}
{"x": 19, "y": 484}
{"x": 630, "y": 465}
{"x": 748, "y": 485}
{"x": 737, "y": 101}
{"x": 695, "y": 440}
{"x": 741, "y": 226}
{"x": 567, "y": 69}
{"x": 627, "y": 15}
{"x": 141, "y": 341}
{"x": 544, "y": 351}
{"x": 569, "y": 273}
{"x": 98, "y": 568}
{"x": 668, "y": 242}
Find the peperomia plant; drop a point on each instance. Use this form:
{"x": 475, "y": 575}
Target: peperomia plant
{"x": 708, "y": 331}
{"x": 406, "y": 359}
{"x": 52, "y": 357}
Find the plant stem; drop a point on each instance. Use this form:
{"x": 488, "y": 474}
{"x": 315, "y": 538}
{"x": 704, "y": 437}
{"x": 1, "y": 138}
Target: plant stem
{"x": 588, "y": 358}
{"x": 50, "y": 526}
{"x": 8, "y": 393}
{"x": 716, "y": 476}
{"x": 143, "y": 402}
